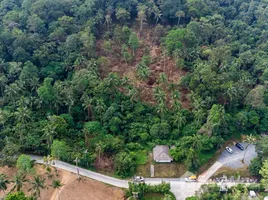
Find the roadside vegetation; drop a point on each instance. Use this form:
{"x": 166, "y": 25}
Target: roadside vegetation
{"x": 100, "y": 83}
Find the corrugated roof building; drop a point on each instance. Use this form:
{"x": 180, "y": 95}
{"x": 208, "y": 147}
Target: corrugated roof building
{"x": 161, "y": 154}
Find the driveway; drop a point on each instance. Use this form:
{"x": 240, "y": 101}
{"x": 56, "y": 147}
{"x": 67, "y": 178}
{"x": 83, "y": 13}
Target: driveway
{"x": 234, "y": 160}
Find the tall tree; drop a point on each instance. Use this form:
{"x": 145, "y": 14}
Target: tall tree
{"x": 264, "y": 174}
{"x": 18, "y": 181}
{"x": 179, "y": 15}
{"x": 37, "y": 184}
{"x": 133, "y": 42}
{"x": 142, "y": 15}
{"x": 56, "y": 184}
{"x": 250, "y": 139}
{"x": 3, "y": 182}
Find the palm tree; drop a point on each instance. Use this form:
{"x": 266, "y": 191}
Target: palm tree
{"x": 179, "y": 119}
{"x": 56, "y": 184}
{"x": 3, "y": 83}
{"x": 3, "y": 182}
{"x": 12, "y": 91}
{"x": 108, "y": 21}
{"x": 100, "y": 107}
{"x": 176, "y": 106}
{"x": 250, "y": 139}
{"x": 141, "y": 15}
{"x": 197, "y": 142}
{"x": 23, "y": 114}
{"x": 179, "y": 14}
{"x": 37, "y": 183}
{"x": 3, "y": 117}
{"x": 19, "y": 180}
{"x": 49, "y": 133}
{"x": 99, "y": 149}
{"x": 87, "y": 104}
{"x": 157, "y": 14}
{"x": 159, "y": 94}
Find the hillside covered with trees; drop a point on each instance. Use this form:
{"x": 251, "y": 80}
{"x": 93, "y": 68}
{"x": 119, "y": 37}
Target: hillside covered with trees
{"x": 87, "y": 79}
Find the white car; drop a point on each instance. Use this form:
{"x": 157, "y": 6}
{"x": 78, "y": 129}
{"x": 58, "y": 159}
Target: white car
{"x": 229, "y": 150}
{"x": 138, "y": 179}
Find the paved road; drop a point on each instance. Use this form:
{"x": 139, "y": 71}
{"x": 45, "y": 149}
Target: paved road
{"x": 179, "y": 187}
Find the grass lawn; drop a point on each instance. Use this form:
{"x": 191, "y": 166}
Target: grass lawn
{"x": 162, "y": 170}
{"x": 142, "y": 157}
{"x": 154, "y": 196}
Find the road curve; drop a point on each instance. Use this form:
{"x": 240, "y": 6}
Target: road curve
{"x": 179, "y": 187}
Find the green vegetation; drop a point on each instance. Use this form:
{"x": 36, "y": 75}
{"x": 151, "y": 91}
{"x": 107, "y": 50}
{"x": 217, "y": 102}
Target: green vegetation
{"x": 240, "y": 191}
{"x": 144, "y": 191}
{"x": 106, "y": 80}
{"x": 142, "y": 157}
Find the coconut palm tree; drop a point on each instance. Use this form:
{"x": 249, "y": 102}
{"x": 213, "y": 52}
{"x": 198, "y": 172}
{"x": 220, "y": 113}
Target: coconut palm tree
{"x": 179, "y": 15}
{"x": 3, "y": 83}
{"x": 37, "y": 183}
{"x": 108, "y": 21}
{"x": 250, "y": 139}
{"x": 23, "y": 114}
{"x": 179, "y": 119}
{"x": 99, "y": 149}
{"x": 49, "y": 133}
{"x": 142, "y": 14}
{"x": 157, "y": 14}
{"x": 3, "y": 182}
{"x": 19, "y": 181}
{"x": 56, "y": 184}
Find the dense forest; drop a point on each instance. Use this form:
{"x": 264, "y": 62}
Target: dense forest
{"x": 59, "y": 95}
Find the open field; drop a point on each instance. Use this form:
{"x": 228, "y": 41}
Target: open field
{"x": 72, "y": 189}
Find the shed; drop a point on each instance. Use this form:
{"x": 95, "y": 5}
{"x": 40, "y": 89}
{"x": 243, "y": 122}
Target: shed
{"x": 161, "y": 154}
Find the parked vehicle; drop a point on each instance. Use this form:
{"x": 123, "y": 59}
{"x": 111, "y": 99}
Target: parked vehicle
{"x": 229, "y": 150}
{"x": 138, "y": 179}
{"x": 192, "y": 178}
{"x": 239, "y": 146}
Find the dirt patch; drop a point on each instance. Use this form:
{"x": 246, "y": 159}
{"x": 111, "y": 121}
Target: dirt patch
{"x": 243, "y": 172}
{"x": 72, "y": 189}
{"x": 86, "y": 189}
{"x": 104, "y": 163}
{"x": 40, "y": 170}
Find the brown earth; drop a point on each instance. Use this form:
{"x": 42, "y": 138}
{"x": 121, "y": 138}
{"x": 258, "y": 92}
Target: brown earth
{"x": 161, "y": 63}
{"x": 85, "y": 189}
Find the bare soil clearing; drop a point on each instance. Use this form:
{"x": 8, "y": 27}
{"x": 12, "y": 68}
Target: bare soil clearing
{"x": 161, "y": 63}
{"x": 85, "y": 189}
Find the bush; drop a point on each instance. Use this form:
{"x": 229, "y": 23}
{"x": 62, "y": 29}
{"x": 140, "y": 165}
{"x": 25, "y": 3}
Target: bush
{"x": 142, "y": 189}
{"x": 16, "y": 196}
{"x": 256, "y": 187}
{"x": 255, "y": 166}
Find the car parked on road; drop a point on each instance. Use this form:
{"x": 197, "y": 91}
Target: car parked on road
{"x": 229, "y": 150}
{"x": 192, "y": 178}
{"x": 239, "y": 146}
{"x": 138, "y": 179}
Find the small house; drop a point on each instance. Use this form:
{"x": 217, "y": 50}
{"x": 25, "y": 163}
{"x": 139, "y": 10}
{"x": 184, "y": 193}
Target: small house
{"x": 161, "y": 154}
